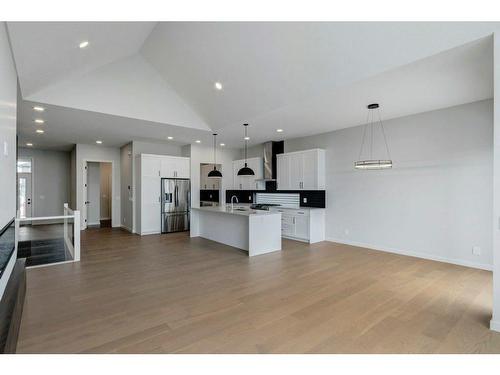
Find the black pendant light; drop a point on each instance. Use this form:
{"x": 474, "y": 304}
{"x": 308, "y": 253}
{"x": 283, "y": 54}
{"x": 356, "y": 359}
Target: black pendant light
{"x": 246, "y": 170}
{"x": 215, "y": 173}
{"x": 371, "y": 162}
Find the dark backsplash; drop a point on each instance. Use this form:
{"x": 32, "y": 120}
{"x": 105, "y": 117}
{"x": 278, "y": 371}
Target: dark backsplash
{"x": 315, "y": 198}
{"x": 209, "y": 195}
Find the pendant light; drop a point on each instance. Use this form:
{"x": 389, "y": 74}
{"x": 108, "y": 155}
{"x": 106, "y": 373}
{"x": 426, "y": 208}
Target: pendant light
{"x": 246, "y": 171}
{"x": 215, "y": 173}
{"x": 372, "y": 163}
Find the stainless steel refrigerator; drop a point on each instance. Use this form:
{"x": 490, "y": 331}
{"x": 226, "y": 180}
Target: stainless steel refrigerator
{"x": 175, "y": 205}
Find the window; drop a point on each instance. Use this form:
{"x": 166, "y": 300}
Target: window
{"x": 24, "y": 166}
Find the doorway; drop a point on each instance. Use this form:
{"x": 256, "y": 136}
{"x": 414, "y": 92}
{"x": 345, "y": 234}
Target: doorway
{"x": 97, "y": 194}
{"x": 24, "y": 188}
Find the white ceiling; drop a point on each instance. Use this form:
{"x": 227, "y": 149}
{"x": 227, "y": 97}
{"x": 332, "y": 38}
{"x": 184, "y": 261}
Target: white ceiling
{"x": 306, "y": 78}
{"x": 47, "y": 52}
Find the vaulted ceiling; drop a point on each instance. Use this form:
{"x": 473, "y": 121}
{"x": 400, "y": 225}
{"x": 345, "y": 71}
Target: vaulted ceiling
{"x": 149, "y": 81}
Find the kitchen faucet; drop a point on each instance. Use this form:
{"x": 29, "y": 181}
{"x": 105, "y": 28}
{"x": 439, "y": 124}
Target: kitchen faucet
{"x": 232, "y": 204}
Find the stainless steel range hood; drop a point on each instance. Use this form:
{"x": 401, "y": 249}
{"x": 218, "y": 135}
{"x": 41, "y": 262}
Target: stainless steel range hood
{"x": 271, "y": 149}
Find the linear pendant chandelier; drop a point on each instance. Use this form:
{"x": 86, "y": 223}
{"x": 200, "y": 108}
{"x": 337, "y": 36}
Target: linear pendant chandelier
{"x": 215, "y": 173}
{"x": 246, "y": 170}
{"x": 373, "y": 163}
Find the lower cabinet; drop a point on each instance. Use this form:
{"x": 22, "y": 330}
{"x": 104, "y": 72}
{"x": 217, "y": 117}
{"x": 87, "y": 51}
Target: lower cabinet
{"x": 306, "y": 224}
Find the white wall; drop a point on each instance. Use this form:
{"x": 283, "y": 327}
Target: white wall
{"x": 8, "y": 115}
{"x": 205, "y": 154}
{"x": 495, "y": 320}
{"x": 50, "y": 180}
{"x": 72, "y": 181}
{"x": 436, "y": 202}
{"x": 102, "y": 154}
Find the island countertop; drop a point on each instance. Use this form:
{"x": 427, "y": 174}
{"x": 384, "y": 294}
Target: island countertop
{"x": 238, "y": 210}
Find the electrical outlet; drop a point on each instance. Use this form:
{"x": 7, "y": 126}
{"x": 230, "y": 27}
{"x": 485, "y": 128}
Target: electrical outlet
{"x": 476, "y": 250}
{"x": 346, "y": 232}
{"x": 304, "y": 200}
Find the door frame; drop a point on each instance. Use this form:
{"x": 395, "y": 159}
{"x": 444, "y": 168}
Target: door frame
{"x": 83, "y": 208}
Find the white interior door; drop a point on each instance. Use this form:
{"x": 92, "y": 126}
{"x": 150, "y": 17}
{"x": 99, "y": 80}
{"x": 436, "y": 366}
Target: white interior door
{"x": 24, "y": 194}
{"x": 83, "y": 213}
{"x": 93, "y": 193}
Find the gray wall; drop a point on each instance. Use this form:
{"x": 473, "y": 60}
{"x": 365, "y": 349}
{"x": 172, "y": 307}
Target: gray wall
{"x": 51, "y": 179}
{"x": 436, "y": 202}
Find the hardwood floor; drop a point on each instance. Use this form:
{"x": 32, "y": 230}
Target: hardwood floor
{"x": 173, "y": 294}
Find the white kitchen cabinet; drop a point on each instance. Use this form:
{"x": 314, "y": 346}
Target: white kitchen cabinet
{"x": 151, "y": 169}
{"x": 174, "y": 167}
{"x": 150, "y": 191}
{"x": 301, "y": 170}
{"x": 249, "y": 182}
{"x": 307, "y": 224}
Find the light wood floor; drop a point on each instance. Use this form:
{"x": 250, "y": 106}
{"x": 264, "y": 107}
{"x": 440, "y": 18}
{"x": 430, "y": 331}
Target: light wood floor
{"x": 170, "y": 293}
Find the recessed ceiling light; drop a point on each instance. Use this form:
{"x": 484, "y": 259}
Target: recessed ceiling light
{"x": 198, "y": 141}
{"x": 29, "y": 144}
{"x": 279, "y": 130}
{"x": 39, "y": 121}
{"x": 38, "y": 108}
{"x": 98, "y": 142}
{"x": 40, "y": 131}
{"x": 246, "y": 138}
{"x": 84, "y": 44}
{"x": 170, "y": 138}
{"x": 218, "y": 85}
{"x": 222, "y": 144}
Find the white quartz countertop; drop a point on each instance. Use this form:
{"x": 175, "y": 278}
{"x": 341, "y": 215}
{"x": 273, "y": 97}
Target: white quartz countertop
{"x": 242, "y": 210}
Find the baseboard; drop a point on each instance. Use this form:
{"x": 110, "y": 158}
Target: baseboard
{"x": 459, "y": 262}
{"x": 126, "y": 228}
{"x": 495, "y": 325}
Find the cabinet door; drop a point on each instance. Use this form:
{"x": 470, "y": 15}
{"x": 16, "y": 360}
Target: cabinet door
{"x": 310, "y": 170}
{"x": 182, "y": 167}
{"x": 150, "y": 166}
{"x": 257, "y": 166}
{"x": 167, "y": 167}
{"x": 287, "y": 225}
{"x": 296, "y": 171}
{"x": 301, "y": 223}
{"x": 150, "y": 204}
{"x": 283, "y": 172}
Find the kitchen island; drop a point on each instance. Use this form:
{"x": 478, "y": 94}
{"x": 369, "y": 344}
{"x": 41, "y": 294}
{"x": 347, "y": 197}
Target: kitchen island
{"x": 255, "y": 231}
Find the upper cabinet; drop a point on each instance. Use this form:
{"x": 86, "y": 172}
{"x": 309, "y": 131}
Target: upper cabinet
{"x": 174, "y": 167}
{"x": 249, "y": 182}
{"x": 301, "y": 170}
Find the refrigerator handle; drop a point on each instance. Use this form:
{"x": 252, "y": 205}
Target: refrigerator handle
{"x": 176, "y": 192}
